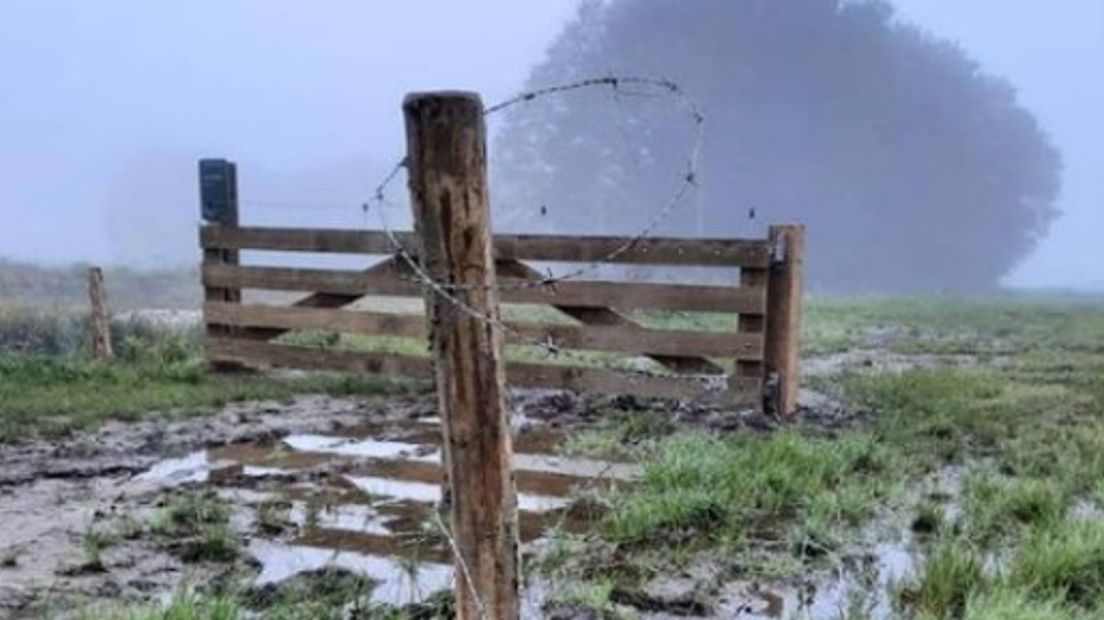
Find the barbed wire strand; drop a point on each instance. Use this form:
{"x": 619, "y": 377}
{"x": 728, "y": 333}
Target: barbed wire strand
{"x": 712, "y": 382}
{"x": 466, "y": 573}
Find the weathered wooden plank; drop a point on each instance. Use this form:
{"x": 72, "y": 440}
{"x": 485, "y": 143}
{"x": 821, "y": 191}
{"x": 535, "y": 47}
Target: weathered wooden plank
{"x": 605, "y": 381}
{"x": 784, "y": 314}
{"x": 686, "y": 362}
{"x": 337, "y": 240}
{"x": 648, "y": 251}
{"x": 741, "y": 390}
{"x": 624, "y": 338}
{"x": 316, "y": 300}
{"x": 628, "y": 295}
{"x": 551, "y": 248}
{"x": 388, "y": 282}
{"x": 270, "y": 355}
{"x": 285, "y": 318}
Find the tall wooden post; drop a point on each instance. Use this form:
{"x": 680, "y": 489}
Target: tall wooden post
{"x": 101, "y": 322}
{"x": 447, "y": 165}
{"x": 784, "y": 298}
{"x": 218, "y": 191}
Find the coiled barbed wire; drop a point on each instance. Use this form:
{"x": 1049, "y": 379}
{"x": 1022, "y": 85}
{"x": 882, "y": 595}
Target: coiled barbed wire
{"x": 711, "y": 382}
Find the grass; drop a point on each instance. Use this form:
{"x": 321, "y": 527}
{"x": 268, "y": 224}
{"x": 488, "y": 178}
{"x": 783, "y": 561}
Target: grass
{"x": 997, "y": 505}
{"x": 189, "y": 512}
{"x": 327, "y": 595}
{"x": 951, "y": 573}
{"x": 700, "y": 491}
{"x": 196, "y": 525}
{"x": 51, "y": 396}
{"x": 185, "y": 604}
{"x": 49, "y": 386}
{"x": 93, "y": 544}
{"x": 1011, "y": 604}
{"x": 620, "y": 435}
{"x": 1064, "y": 561}
{"x": 1020, "y": 431}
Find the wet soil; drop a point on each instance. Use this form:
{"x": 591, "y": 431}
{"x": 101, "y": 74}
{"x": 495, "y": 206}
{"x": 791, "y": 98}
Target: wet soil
{"x": 316, "y": 483}
{"x": 354, "y": 485}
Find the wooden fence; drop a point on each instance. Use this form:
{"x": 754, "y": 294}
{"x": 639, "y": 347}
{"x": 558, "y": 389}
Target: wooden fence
{"x": 766, "y": 300}
{"x": 754, "y": 362}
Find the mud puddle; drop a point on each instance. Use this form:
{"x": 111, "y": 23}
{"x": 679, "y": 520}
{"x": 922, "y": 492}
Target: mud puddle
{"x": 345, "y": 483}
{"x": 351, "y": 483}
{"x": 367, "y": 500}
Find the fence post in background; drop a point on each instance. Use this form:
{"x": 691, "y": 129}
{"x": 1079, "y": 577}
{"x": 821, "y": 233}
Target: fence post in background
{"x": 784, "y": 298}
{"x": 218, "y": 196}
{"x": 101, "y": 322}
{"x": 447, "y": 165}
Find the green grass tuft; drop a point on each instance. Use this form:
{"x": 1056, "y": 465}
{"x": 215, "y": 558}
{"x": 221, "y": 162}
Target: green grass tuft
{"x": 52, "y": 396}
{"x": 1010, "y": 604}
{"x": 1063, "y": 560}
{"x": 950, "y": 575}
{"x": 997, "y": 505}
{"x": 717, "y": 489}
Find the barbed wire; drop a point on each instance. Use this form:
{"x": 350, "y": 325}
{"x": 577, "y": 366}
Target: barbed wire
{"x": 688, "y": 179}
{"x": 712, "y": 382}
{"x": 709, "y": 382}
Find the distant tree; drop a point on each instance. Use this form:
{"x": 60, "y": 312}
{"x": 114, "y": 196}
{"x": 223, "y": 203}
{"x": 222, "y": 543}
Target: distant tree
{"x": 911, "y": 167}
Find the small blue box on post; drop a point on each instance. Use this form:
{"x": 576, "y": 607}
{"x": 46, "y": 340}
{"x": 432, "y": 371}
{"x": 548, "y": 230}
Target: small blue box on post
{"x": 218, "y": 191}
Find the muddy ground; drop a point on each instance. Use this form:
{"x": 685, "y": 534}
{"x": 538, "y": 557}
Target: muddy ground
{"x": 351, "y": 485}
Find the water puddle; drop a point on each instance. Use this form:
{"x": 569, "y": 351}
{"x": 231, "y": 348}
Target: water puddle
{"x": 862, "y": 589}
{"x": 399, "y": 581}
{"x": 431, "y": 493}
{"x": 365, "y": 500}
{"x": 367, "y": 448}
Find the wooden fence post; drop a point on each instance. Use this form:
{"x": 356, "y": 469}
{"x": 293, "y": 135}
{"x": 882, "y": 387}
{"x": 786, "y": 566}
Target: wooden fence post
{"x": 101, "y": 323}
{"x": 447, "y": 165}
{"x": 218, "y": 190}
{"x": 784, "y": 298}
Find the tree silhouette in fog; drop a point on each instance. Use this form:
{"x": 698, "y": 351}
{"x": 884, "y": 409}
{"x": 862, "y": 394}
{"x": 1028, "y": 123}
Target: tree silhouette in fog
{"x": 911, "y": 167}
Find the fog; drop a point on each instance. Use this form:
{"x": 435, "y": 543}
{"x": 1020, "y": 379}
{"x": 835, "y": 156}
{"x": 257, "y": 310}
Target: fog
{"x": 106, "y": 106}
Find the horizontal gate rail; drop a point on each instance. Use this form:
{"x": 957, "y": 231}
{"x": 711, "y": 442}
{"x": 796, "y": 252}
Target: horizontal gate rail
{"x": 615, "y": 338}
{"x": 636, "y": 295}
{"x": 583, "y": 379}
{"x": 551, "y": 248}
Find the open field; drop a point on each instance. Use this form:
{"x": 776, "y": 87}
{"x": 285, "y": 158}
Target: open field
{"x": 67, "y": 286}
{"x": 949, "y": 463}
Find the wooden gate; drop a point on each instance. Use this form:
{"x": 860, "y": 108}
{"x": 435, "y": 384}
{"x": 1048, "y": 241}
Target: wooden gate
{"x": 597, "y": 323}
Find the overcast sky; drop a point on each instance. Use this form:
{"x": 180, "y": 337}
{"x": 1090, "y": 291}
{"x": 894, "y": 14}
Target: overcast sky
{"x": 98, "y": 98}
